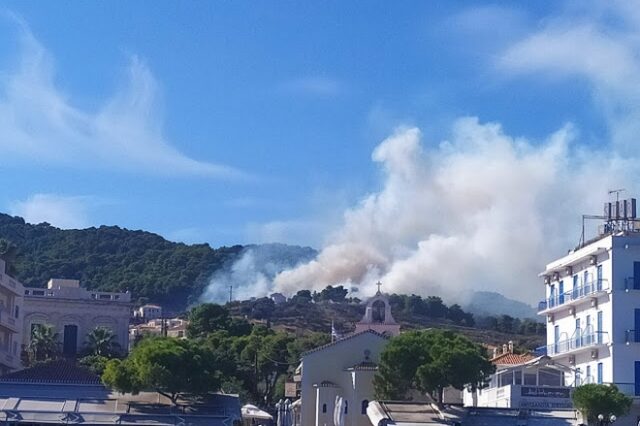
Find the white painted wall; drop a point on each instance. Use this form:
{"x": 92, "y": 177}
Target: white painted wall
{"x": 330, "y": 364}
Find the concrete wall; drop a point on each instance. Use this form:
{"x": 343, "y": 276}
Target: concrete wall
{"x": 85, "y": 314}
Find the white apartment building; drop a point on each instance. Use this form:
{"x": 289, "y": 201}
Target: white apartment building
{"x": 75, "y": 311}
{"x": 592, "y": 310}
{"x": 11, "y": 313}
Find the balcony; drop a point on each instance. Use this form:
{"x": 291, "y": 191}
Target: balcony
{"x": 576, "y": 343}
{"x": 574, "y": 296}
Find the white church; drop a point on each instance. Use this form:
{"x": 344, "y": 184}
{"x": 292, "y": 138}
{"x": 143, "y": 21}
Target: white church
{"x": 345, "y": 368}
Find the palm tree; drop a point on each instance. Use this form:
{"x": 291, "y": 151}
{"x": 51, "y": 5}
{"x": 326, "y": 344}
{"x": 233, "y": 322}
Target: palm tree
{"x": 102, "y": 341}
{"x": 43, "y": 345}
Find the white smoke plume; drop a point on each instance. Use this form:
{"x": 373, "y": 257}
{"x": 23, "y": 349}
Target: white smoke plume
{"x": 243, "y": 277}
{"x": 485, "y": 210}
{"x": 482, "y": 211}
{"x": 252, "y": 274}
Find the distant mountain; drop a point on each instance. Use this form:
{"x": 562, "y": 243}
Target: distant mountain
{"x": 491, "y": 303}
{"x": 110, "y": 258}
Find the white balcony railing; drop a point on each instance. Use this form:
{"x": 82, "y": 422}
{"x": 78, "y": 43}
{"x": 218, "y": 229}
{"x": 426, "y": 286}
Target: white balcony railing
{"x": 577, "y": 293}
{"x": 577, "y": 342}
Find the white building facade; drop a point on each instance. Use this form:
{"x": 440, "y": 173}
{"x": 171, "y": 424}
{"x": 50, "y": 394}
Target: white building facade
{"x": 11, "y": 314}
{"x": 592, "y": 311}
{"x": 345, "y": 368}
{"x": 149, "y": 312}
{"x": 74, "y": 312}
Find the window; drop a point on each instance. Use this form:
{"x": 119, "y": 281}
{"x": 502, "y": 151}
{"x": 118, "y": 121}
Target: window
{"x": 548, "y": 377}
{"x": 365, "y": 404}
{"x": 346, "y": 407}
{"x": 599, "y": 373}
{"x": 506, "y": 379}
{"x": 17, "y": 311}
{"x": 530, "y": 379}
{"x": 324, "y": 408}
{"x": 517, "y": 377}
{"x": 585, "y": 282}
{"x": 599, "y": 278}
{"x": 589, "y": 380}
{"x": 578, "y": 380}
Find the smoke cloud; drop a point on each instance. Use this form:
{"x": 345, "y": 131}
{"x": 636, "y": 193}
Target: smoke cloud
{"x": 252, "y": 274}
{"x": 482, "y": 211}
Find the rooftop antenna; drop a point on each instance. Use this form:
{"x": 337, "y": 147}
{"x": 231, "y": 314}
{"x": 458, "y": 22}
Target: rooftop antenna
{"x": 230, "y": 293}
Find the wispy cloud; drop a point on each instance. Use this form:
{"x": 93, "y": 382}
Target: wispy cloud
{"x": 597, "y": 43}
{"x": 39, "y": 122}
{"x": 318, "y": 86}
{"x": 62, "y": 211}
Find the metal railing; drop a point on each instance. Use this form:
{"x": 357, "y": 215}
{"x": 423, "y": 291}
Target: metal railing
{"x": 576, "y": 293}
{"x": 577, "y": 341}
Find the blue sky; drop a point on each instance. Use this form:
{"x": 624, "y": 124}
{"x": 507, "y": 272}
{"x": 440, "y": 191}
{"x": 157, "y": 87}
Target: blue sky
{"x": 238, "y": 122}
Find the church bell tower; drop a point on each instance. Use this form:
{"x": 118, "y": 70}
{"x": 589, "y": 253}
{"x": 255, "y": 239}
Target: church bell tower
{"x": 377, "y": 316}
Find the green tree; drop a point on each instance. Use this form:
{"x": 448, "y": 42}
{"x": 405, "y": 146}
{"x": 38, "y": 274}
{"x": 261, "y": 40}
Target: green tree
{"x": 171, "y": 367}
{"x": 207, "y": 318}
{"x": 594, "y": 399}
{"x": 95, "y": 363}
{"x": 8, "y": 253}
{"x": 101, "y": 341}
{"x": 333, "y": 294}
{"x": 430, "y": 361}
{"x": 44, "y": 344}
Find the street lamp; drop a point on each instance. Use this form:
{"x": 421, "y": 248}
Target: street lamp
{"x": 602, "y": 421}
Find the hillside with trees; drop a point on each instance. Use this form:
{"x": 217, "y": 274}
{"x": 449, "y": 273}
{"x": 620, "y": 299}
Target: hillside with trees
{"x": 310, "y": 311}
{"x": 110, "y": 258}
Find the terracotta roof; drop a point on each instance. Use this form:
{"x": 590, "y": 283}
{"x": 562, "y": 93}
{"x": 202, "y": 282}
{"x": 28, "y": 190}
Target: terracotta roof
{"x": 348, "y": 337}
{"x": 512, "y": 359}
{"x": 61, "y": 371}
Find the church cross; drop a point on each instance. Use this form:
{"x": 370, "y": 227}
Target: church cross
{"x": 379, "y": 284}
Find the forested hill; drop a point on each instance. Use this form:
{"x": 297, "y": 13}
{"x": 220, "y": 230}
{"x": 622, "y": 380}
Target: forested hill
{"x": 110, "y": 258}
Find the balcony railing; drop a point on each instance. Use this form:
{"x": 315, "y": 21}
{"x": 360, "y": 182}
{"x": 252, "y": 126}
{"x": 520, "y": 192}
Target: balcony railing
{"x": 584, "y": 340}
{"x": 576, "y": 293}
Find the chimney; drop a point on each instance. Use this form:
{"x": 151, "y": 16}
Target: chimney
{"x": 510, "y": 346}
{"x": 504, "y": 348}
{"x": 495, "y": 352}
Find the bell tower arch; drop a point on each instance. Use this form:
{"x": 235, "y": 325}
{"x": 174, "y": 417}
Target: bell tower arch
{"x": 377, "y": 315}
